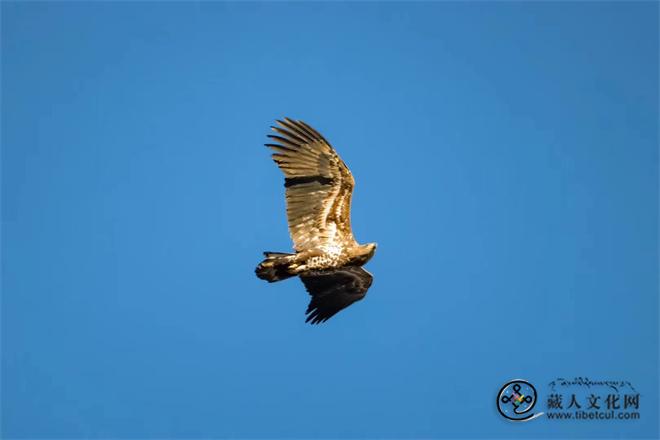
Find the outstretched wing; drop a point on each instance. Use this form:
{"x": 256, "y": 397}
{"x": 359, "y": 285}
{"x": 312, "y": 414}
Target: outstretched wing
{"x": 318, "y": 187}
{"x": 334, "y": 290}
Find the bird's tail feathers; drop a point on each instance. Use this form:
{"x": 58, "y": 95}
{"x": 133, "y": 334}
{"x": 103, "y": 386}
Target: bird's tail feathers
{"x": 268, "y": 254}
{"x": 275, "y": 267}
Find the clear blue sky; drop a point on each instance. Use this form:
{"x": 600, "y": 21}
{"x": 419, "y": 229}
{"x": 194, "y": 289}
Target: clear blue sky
{"x": 506, "y": 163}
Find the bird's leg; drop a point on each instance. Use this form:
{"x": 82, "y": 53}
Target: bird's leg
{"x": 298, "y": 264}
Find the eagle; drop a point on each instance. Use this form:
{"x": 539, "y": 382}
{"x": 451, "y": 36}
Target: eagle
{"x": 319, "y": 186}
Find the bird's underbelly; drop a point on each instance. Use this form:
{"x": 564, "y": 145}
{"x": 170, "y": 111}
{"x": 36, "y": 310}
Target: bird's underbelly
{"x": 323, "y": 261}
{"x": 327, "y": 257}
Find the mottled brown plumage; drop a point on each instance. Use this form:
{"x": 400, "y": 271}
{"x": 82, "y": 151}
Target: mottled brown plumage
{"x": 319, "y": 187}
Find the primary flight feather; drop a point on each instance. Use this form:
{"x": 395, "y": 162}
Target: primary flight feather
{"x": 319, "y": 187}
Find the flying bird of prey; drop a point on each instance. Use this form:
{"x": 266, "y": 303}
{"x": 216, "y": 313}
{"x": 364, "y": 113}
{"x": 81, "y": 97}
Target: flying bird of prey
{"x": 319, "y": 187}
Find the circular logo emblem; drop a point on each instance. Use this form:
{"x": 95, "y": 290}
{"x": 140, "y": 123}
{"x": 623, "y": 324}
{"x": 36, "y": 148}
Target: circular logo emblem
{"x": 516, "y": 400}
